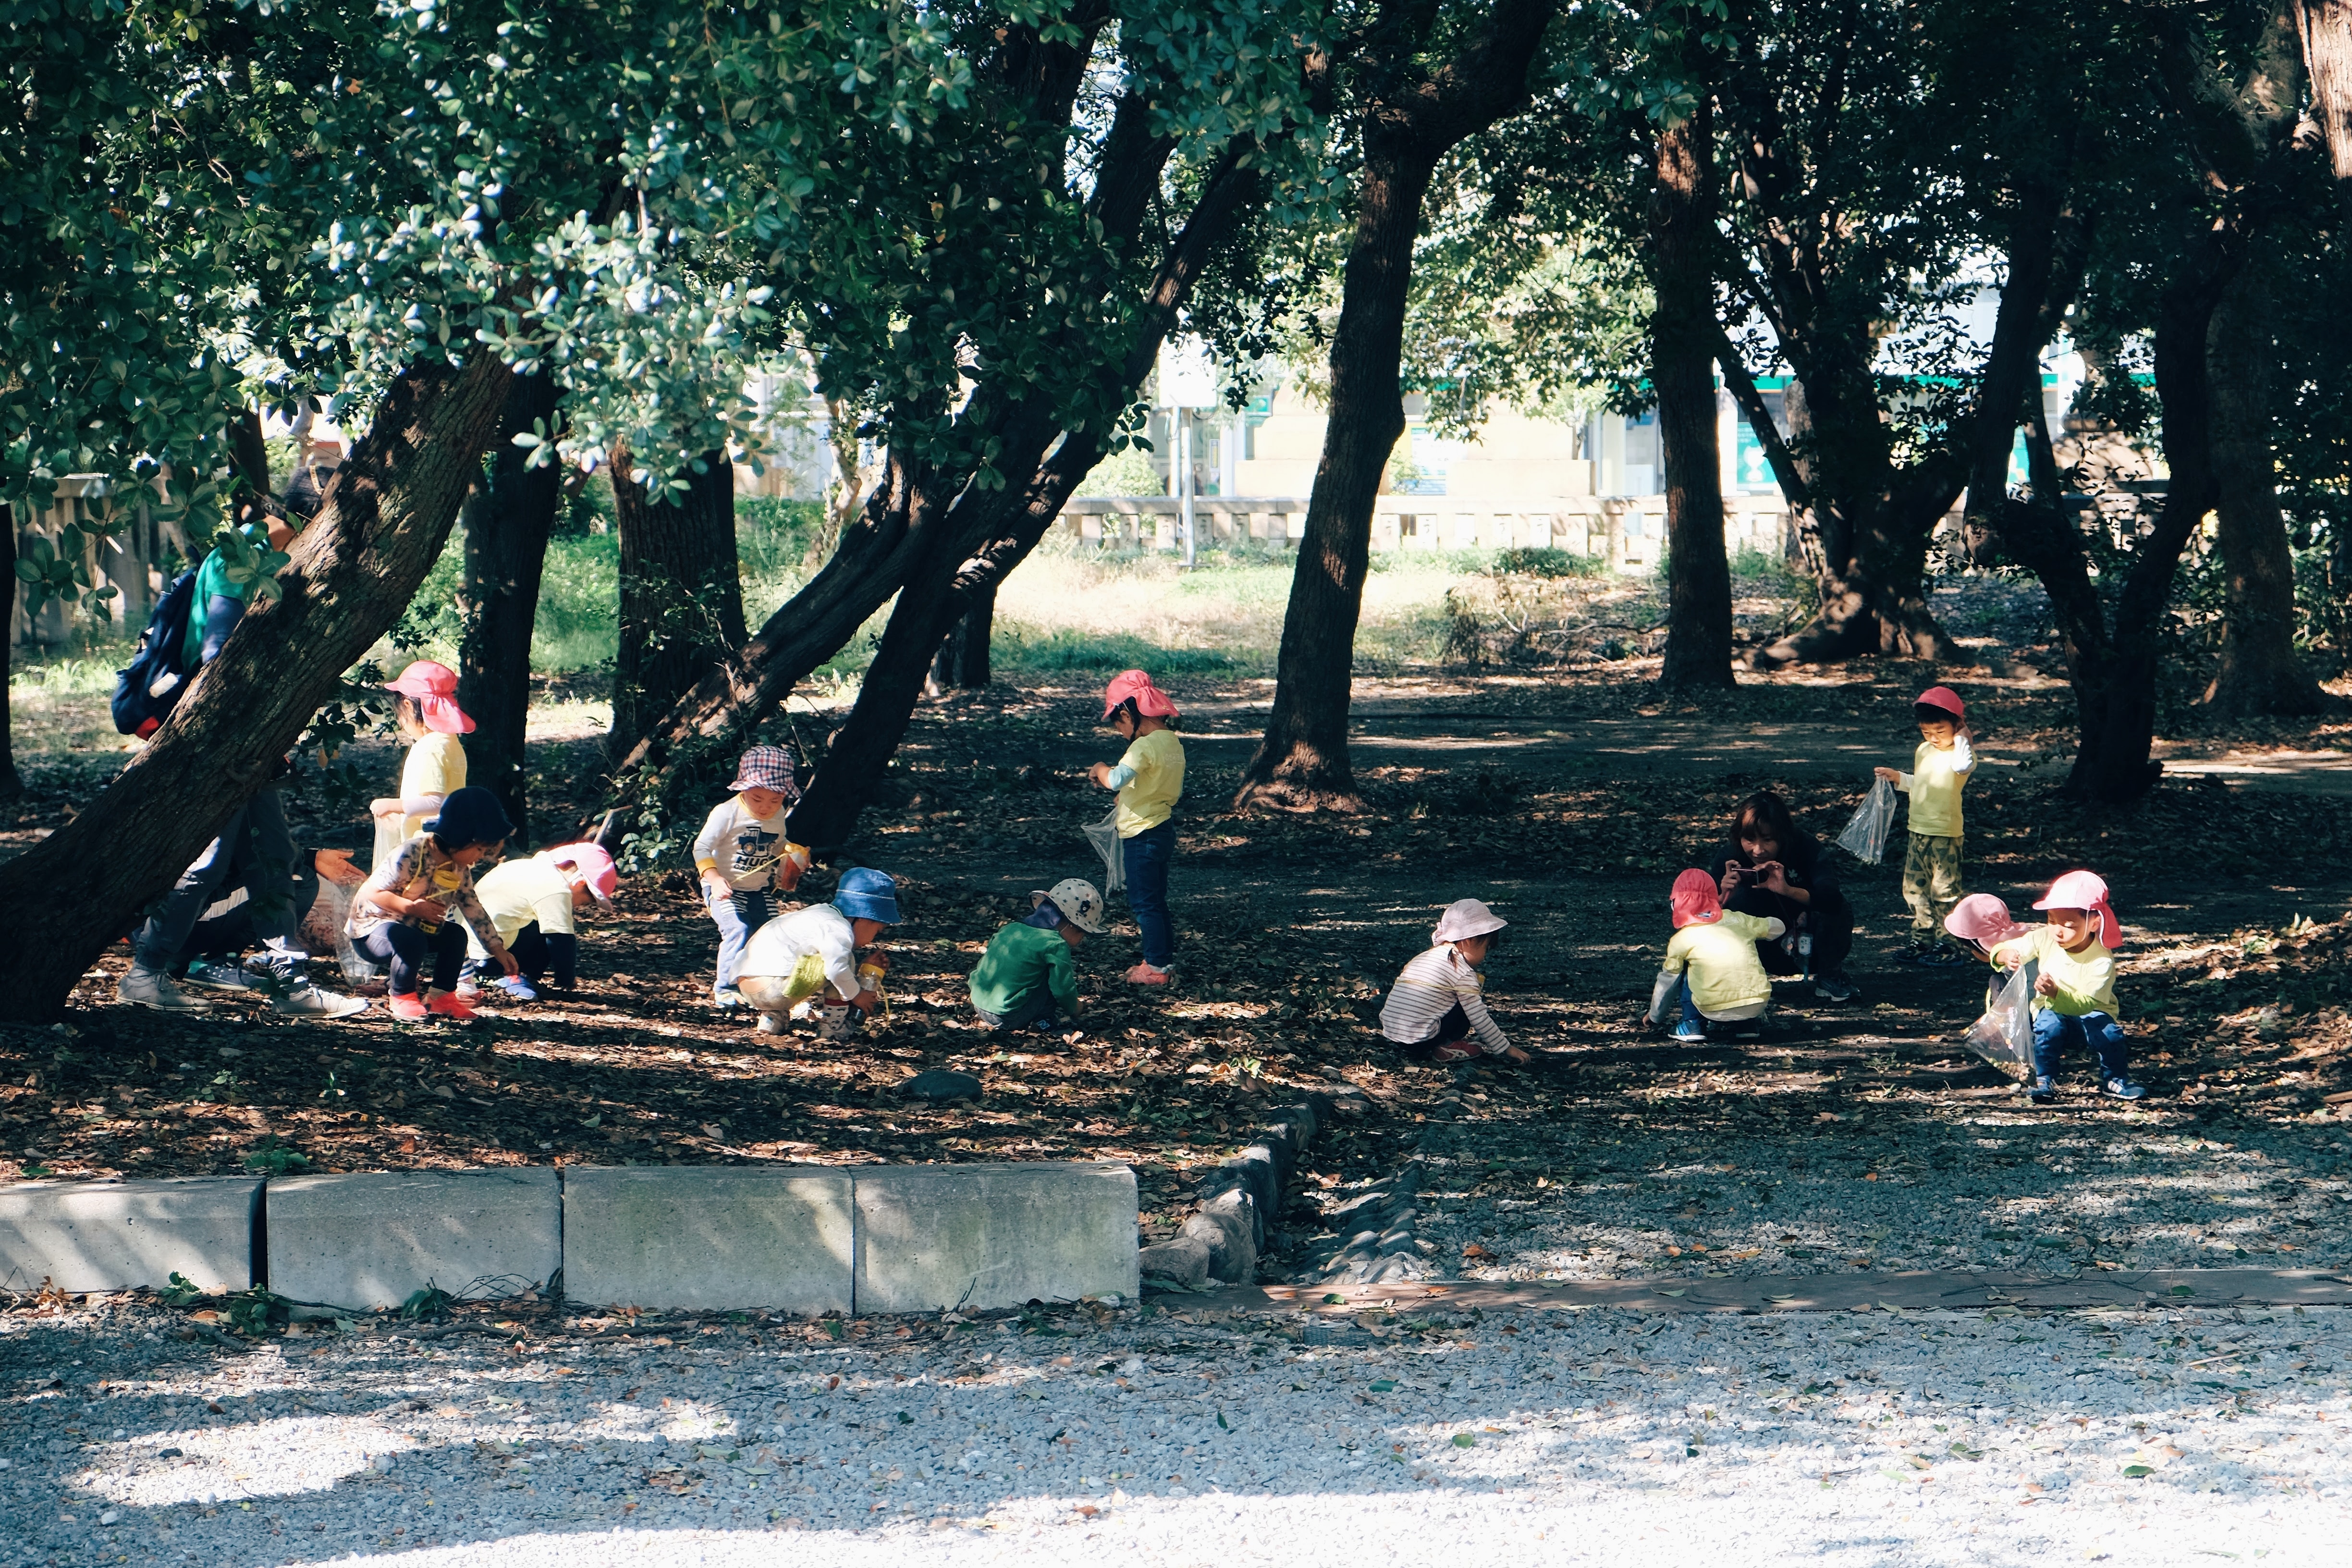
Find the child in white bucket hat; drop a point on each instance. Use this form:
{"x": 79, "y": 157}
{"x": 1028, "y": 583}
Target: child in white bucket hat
{"x": 1028, "y": 974}
{"x": 1438, "y": 1003}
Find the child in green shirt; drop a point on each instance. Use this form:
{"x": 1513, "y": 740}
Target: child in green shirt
{"x": 1931, "y": 861}
{"x": 1028, "y": 974}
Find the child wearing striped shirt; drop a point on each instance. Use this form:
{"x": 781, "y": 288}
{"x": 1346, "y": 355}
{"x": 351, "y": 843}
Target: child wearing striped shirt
{"x": 1437, "y": 1002}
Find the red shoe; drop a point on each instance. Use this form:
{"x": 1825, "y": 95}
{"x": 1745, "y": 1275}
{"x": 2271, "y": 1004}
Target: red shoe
{"x": 1454, "y": 1051}
{"x": 1146, "y": 974}
{"x": 448, "y": 1005}
{"x": 408, "y": 1009}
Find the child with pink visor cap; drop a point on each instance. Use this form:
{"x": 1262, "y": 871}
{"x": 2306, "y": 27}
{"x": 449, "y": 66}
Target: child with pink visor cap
{"x": 1981, "y": 922}
{"x": 532, "y": 904}
{"x": 429, "y": 719}
{"x": 1149, "y": 778}
{"x": 2075, "y": 998}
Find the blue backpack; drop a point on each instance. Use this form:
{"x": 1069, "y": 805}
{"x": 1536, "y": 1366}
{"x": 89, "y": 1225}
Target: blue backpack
{"x": 158, "y": 672}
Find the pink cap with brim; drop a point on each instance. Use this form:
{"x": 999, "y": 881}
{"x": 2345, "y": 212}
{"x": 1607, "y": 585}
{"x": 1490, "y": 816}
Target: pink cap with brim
{"x": 1982, "y": 919}
{"x": 1942, "y": 697}
{"x": 434, "y": 687}
{"x": 1149, "y": 701}
{"x": 591, "y": 863}
{"x": 2086, "y": 891}
{"x": 1697, "y": 900}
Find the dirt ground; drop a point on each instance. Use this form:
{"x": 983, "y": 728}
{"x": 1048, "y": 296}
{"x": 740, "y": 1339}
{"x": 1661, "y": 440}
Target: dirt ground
{"x": 1567, "y": 799}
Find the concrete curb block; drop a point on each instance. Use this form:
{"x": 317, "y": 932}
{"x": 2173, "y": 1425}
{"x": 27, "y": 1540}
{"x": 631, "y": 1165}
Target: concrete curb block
{"x": 370, "y": 1239}
{"x": 933, "y": 1237}
{"x": 709, "y": 1236}
{"x": 110, "y": 1235}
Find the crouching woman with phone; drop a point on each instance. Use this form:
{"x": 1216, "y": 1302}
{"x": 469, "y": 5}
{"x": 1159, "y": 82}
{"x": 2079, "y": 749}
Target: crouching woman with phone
{"x": 1774, "y": 869}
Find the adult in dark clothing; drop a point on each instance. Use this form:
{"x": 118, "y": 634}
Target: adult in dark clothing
{"x": 1772, "y": 868}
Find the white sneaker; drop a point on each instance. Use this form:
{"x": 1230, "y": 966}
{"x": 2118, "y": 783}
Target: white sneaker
{"x": 772, "y": 1023}
{"x": 144, "y": 987}
{"x": 304, "y": 1000}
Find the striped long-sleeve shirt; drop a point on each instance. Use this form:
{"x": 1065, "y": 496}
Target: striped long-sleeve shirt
{"x": 1431, "y": 986}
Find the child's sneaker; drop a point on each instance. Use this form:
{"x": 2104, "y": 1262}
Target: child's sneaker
{"x": 1146, "y": 974}
{"x": 515, "y": 987}
{"x": 207, "y": 976}
{"x": 836, "y": 1023}
{"x": 469, "y": 989}
{"x": 2043, "y": 1091}
{"x": 304, "y": 1000}
{"x": 2124, "y": 1089}
{"x": 449, "y": 1006}
{"x": 1942, "y": 955}
{"x": 1454, "y": 1051}
{"x": 1834, "y": 988}
{"x": 730, "y": 999}
{"x": 144, "y": 987}
{"x": 408, "y": 1008}
{"x": 772, "y": 1023}
{"x": 1690, "y": 1033}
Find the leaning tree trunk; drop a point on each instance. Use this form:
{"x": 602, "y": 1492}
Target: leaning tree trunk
{"x": 2260, "y": 671}
{"x": 506, "y": 530}
{"x": 1682, "y": 370}
{"x": 12, "y": 784}
{"x": 385, "y": 518}
{"x": 962, "y": 662}
{"x": 681, "y": 595}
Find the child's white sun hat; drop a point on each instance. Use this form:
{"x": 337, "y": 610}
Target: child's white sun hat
{"x": 1465, "y": 918}
{"x": 1079, "y": 903}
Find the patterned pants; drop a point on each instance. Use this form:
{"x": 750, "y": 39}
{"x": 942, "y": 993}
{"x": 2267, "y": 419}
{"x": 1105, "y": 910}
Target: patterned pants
{"x": 1931, "y": 882}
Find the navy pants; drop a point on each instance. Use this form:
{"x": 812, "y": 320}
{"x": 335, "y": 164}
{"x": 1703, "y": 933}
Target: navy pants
{"x": 2053, "y": 1032}
{"x": 1146, "y": 856}
{"x": 1037, "y": 1008}
{"x": 405, "y": 948}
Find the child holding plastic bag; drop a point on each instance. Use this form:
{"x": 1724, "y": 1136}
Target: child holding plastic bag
{"x": 1711, "y": 973}
{"x": 1439, "y": 1001}
{"x": 2075, "y": 996}
{"x": 1981, "y": 922}
{"x": 426, "y": 709}
{"x": 1149, "y": 778}
{"x": 1931, "y": 861}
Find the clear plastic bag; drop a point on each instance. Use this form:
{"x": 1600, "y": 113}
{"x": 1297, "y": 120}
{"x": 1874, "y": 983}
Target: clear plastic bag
{"x": 1865, "y": 838}
{"x": 2004, "y": 1036}
{"x": 1104, "y": 836}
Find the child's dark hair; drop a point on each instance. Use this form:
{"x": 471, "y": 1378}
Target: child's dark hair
{"x": 1770, "y": 812}
{"x": 1928, "y": 713}
{"x": 1135, "y": 716}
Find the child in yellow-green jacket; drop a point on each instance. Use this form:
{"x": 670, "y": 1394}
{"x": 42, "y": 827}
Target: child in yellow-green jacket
{"x": 1931, "y": 862}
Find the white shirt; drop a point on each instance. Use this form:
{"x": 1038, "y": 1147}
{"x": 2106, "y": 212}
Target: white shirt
{"x": 743, "y": 847}
{"x": 819, "y": 931}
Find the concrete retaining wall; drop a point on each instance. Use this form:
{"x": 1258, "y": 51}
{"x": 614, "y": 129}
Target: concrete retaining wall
{"x": 803, "y": 1238}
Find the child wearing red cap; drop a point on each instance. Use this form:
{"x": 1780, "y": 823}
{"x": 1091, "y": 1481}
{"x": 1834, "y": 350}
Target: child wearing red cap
{"x": 1711, "y": 964}
{"x": 1931, "y": 862}
{"x": 1148, "y": 779}
{"x": 425, "y": 709}
{"x": 2075, "y": 998}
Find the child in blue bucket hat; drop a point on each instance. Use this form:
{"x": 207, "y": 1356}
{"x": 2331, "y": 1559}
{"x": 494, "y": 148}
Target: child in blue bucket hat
{"x": 807, "y": 963}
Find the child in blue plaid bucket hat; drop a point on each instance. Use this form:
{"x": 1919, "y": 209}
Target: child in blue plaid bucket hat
{"x": 741, "y": 853}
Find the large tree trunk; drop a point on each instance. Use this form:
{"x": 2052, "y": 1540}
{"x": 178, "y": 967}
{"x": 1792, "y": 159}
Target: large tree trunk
{"x": 2326, "y": 26}
{"x": 508, "y": 526}
{"x": 681, "y": 595}
{"x": 1302, "y": 763}
{"x": 1683, "y": 334}
{"x": 2259, "y": 671}
{"x": 12, "y": 784}
{"x": 387, "y": 516}
{"x": 962, "y": 662}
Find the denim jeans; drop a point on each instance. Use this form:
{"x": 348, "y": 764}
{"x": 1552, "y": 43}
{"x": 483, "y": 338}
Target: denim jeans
{"x": 1146, "y": 856}
{"x": 737, "y": 917}
{"x": 2053, "y": 1032}
{"x": 405, "y": 948}
{"x": 255, "y": 848}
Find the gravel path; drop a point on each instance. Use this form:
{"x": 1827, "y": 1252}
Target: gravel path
{"x": 1594, "y": 1436}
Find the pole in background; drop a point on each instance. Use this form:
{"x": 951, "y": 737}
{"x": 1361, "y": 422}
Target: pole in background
{"x": 1188, "y": 380}
{"x": 1184, "y": 477}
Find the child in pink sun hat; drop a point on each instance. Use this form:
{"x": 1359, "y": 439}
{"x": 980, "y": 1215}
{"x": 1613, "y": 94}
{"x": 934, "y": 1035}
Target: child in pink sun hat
{"x": 1437, "y": 1008}
{"x": 1982, "y": 923}
{"x": 1931, "y": 860}
{"x": 2074, "y": 998}
{"x": 425, "y": 709}
{"x": 1711, "y": 973}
